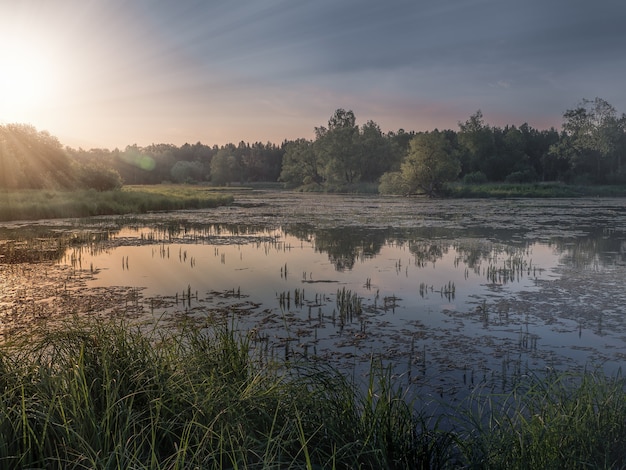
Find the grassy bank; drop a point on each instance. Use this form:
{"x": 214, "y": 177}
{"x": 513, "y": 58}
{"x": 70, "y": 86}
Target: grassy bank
{"x": 547, "y": 190}
{"x": 103, "y": 395}
{"x": 43, "y": 204}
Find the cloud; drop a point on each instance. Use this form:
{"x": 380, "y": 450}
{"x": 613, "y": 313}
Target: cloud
{"x": 197, "y": 65}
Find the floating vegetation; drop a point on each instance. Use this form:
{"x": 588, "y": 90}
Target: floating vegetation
{"x": 476, "y": 286}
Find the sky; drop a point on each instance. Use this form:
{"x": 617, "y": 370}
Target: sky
{"x": 111, "y": 73}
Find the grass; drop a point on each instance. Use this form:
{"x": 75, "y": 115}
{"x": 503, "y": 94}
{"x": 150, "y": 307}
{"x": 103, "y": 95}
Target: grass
{"x": 547, "y": 190}
{"x": 44, "y": 204}
{"x": 103, "y": 394}
{"x": 562, "y": 421}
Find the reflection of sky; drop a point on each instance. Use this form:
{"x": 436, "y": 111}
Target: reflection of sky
{"x": 257, "y": 268}
{"x": 452, "y": 330}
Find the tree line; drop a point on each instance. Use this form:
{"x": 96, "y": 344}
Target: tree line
{"x": 589, "y": 150}
{"x": 189, "y": 163}
{"x": 342, "y": 156}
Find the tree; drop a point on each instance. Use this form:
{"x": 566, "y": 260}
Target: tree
{"x": 31, "y": 159}
{"x": 301, "y": 164}
{"x": 338, "y": 149}
{"x": 393, "y": 182}
{"x": 375, "y": 151}
{"x": 430, "y": 163}
{"x": 592, "y": 140}
{"x": 476, "y": 140}
{"x": 98, "y": 176}
{"x": 187, "y": 172}
{"x": 224, "y": 168}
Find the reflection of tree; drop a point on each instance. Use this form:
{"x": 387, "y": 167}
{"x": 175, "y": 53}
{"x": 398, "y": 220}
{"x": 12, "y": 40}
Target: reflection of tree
{"x": 37, "y": 247}
{"x": 344, "y": 245}
{"x": 428, "y": 251}
{"x": 594, "y": 251}
{"x": 473, "y": 252}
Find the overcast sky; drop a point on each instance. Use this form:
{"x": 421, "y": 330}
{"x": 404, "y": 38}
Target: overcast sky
{"x": 111, "y": 73}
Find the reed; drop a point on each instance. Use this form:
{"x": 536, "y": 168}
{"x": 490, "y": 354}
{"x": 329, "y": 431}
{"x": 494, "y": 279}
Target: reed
{"x": 100, "y": 394}
{"x": 104, "y": 394}
{"x": 44, "y": 204}
{"x": 348, "y": 303}
{"x": 556, "y": 421}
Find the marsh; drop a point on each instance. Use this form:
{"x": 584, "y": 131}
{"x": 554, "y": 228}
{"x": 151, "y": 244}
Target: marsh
{"x": 452, "y": 294}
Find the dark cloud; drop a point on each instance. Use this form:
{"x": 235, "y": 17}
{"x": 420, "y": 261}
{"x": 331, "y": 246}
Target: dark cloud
{"x": 529, "y": 59}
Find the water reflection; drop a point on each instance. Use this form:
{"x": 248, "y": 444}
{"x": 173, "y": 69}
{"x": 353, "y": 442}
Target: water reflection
{"x": 449, "y": 306}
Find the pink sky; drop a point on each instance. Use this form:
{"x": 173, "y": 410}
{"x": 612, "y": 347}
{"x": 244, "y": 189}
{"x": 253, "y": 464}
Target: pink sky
{"x": 114, "y": 73}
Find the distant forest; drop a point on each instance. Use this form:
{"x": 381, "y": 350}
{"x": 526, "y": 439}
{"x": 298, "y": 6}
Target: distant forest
{"x": 343, "y": 156}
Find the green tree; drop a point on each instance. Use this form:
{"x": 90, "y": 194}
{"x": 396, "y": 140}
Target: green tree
{"x": 430, "y": 163}
{"x": 393, "y": 182}
{"x": 592, "y": 140}
{"x": 224, "y": 168}
{"x": 375, "y": 152}
{"x": 338, "y": 149}
{"x": 477, "y": 144}
{"x": 301, "y": 165}
{"x": 98, "y": 176}
{"x": 188, "y": 172}
{"x": 31, "y": 159}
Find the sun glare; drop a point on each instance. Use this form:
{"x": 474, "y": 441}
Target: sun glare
{"x": 27, "y": 80}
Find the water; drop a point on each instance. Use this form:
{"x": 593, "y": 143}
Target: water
{"x": 453, "y": 294}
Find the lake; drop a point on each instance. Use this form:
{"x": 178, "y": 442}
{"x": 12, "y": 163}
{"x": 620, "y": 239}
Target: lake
{"x": 451, "y": 294}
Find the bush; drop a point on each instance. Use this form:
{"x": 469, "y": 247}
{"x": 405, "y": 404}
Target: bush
{"x": 393, "y": 183}
{"x": 95, "y": 176}
{"x": 524, "y": 176}
{"x": 477, "y": 177}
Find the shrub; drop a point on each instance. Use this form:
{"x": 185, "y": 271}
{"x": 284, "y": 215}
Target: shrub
{"x": 393, "y": 183}
{"x": 523, "y": 176}
{"x": 477, "y": 177}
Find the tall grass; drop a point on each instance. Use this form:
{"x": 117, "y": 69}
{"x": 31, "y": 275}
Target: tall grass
{"x": 530, "y": 190}
{"x": 43, "y": 204}
{"x": 103, "y": 394}
{"x": 560, "y": 421}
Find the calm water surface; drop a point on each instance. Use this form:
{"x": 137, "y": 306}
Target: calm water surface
{"x": 451, "y": 294}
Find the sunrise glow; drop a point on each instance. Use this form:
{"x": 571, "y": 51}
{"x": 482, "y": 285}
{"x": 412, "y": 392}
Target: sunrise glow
{"x": 27, "y": 81}
{"x": 112, "y": 74}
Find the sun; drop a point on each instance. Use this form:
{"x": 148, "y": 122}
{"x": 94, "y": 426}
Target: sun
{"x": 27, "y": 79}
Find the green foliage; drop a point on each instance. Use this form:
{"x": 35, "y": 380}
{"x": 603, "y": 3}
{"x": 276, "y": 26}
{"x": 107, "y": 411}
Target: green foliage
{"x": 393, "y": 183}
{"x": 32, "y": 160}
{"x": 430, "y": 164}
{"x": 225, "y": 168}
{"x": 102, "y": 395}
{"x": 342, "y": 156}
{"x": 560, "y": 422}
{"x": 99, "y": 177}
{"x": 301, "y": 165}
{"x": 548, "y": 190}
{"x": 593, "y": 140}
{"x": 523, "y": 176}
{"x": 477, "y": 177}
{"x": 33, "y": 204}
{"x": 188, "y": 172}
{"x": 338, "y": 149}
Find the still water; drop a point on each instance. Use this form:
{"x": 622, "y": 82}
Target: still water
{"x": 450, "y": 294}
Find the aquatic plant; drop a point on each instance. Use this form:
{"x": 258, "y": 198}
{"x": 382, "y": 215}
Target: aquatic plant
{"x": 348, "y": 303}
{"x": 106, "y": 395}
